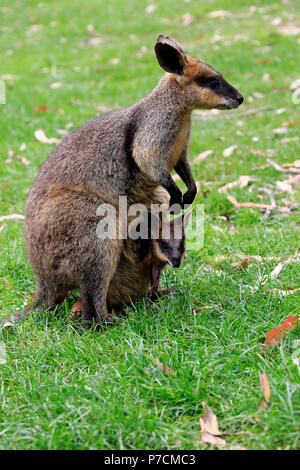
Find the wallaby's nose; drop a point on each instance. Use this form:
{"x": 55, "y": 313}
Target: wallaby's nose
{"x": 176, "y": 262}
{"x": 240, "y": 99}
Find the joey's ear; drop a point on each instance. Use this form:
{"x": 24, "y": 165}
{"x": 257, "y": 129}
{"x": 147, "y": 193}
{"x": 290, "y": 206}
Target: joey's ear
{"x": 169, "y": 55}
{"x": 186, "y": 218}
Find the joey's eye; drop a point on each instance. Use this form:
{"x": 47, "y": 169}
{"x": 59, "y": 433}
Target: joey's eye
{"x": 164, "y": 245}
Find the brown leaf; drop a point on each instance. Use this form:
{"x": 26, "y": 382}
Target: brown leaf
{"x": 229, "y": 150}
{"x": 211, "y": 439}
{"x": 209, "y": 422}
{"x": 296, "y": 164}
{"x": 209, "y": 427}
{"x": 42, "y": 108}
{"x": 162, "y": 367}
{"x": 263, "y": 60}
{"x": 261, "y": 153}
{"x": 187, "y": 19}
{"x": 11, "y": 216}
{"x": 286, "y": 140}
{"x": 274, "y": 336}
{"x": 40, "y": 135}
{"x": 249, "y": 204}
{"x": 24, "y": 160}
{"x": 202, "y": 156}
{"x": 242, "y": 182}
{"x": 266, "y": 391}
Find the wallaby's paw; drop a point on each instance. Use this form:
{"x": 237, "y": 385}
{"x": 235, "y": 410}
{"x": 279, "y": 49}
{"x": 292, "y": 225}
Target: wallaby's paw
{"x": 76, "y": 311}
{"x": 175, "y": 208}
{"x": 189, "y": 197}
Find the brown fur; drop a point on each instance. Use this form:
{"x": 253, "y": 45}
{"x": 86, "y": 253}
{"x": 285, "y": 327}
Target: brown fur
{"x": 128, "y": 152}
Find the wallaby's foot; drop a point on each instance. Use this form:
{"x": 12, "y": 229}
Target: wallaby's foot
{"x": 77, "y": 311}
{"x": 156, "y": 294}
{"x": 166, "y": 291}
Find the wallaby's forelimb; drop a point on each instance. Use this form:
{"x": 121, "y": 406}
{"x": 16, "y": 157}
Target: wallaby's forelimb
{"x": 183, "y": 170}
{"x": 155, "y": 271}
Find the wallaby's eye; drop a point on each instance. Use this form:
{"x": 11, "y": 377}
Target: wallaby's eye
{"x": 164, "y": 245}
{"x": 213, "y": 83}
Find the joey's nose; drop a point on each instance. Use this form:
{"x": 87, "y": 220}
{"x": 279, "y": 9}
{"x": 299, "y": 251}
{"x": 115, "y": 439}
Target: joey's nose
{"x": 240, "y": 99}
{"x": 176, "y": 262}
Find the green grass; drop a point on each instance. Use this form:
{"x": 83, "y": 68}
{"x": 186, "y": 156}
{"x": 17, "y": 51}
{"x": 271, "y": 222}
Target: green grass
{"x": 64, "y": 389}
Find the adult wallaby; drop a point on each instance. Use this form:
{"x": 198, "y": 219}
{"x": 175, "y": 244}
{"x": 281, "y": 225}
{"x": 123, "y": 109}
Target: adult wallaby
{"x": 125, "y": 153}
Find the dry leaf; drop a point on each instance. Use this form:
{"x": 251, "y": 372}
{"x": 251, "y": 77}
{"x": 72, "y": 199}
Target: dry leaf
{"x": 283, "y": 187}
{"x": 209, "y": 427}
{"x": 219, "y": 14}
{"x": 211, "y": 439}
{"x": 249, "y": 204}
{"x": 23, "y": 160}
{"x": 227, "y": 152}
{"x": 7, "y": 324}
{"x": 284, "y": 293}
{"x": 114, "y": 61}
{"x": 286, "y": 140}
{"x": 295, "y": 164}
{"x": 290, "y": 29}
{"x": 202, "y": 156}
{"x": 280, "y": 130}
{"x": 95, "y": 41}
{"x": 196, "y": 310}
{"x": 266, "y": 391}
{"x": 42, "y": 108}
{"x": 150, "y": 8}
{"x": 11, "y": 216}
{"x": 261, "y": 153}
{"x": 242, "y": 182}
{"x": 56, "y": 85}
{"x": 274, "y": 336}
{"x": 290, "y": 123}
{"x": 209, "y": 422}
{"x": 165, "y": 369}
{"x": 187, "y": 19}
{"x": 40, "y": 135}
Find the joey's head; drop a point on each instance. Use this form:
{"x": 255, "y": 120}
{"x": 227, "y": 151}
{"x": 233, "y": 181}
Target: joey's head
{"x": 170, "y": 246}
{"x": 202, "y": 86}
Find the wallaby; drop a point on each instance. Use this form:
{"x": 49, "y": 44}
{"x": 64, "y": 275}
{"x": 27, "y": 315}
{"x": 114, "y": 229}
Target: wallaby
{"x": 128, "y": 152}
{"x": 133, "y": 278}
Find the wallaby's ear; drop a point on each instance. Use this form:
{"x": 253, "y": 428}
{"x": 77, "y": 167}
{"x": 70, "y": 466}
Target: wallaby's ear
{"x": 169, "y": 55}
{"x": 186, "y": 219}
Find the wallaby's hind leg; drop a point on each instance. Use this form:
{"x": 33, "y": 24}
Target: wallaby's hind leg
{"x": 94, "y": 289}
{"x": 43, "y": 297}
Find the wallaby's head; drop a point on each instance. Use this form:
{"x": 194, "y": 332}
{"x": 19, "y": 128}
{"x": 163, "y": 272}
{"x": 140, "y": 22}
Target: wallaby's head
{"x": 203, "y": 86}
{"x": 170, "y": 246}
